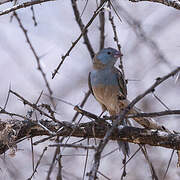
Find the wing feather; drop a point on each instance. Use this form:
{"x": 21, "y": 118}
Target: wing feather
{"x": 122, "y": 82}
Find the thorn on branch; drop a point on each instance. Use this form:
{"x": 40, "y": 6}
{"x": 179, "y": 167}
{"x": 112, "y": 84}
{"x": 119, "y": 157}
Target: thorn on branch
{"x": 158, "y": 78}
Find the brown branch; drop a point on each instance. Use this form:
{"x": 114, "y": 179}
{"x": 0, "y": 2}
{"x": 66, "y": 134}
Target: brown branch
{"x": 76, "y": 146}
{"x": 156, "y": 114}
{"x": 127, "y": 133}
{"x": 86, "y": 113}
{"x": 23, "y": 5}
{"x": 77, "y": 40}
{"x": 102, "y": 29}
{"x": 82, "y": 104}
{"x": 81, "y": 26}
{"x": 111, "y": 19}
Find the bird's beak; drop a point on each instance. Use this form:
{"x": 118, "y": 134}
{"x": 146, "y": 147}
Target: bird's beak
{"x": 117, "y": 54}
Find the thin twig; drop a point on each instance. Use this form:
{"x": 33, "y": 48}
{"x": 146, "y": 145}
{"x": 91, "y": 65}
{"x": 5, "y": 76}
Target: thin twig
{"x": 102, "y": 29}
{"x": 152, "y": 169}
{"x": 57, "y": 151}
{"x": 33, "y": 16}
{"x": 131, "y": 157}
{"x": 34, "y": 106}
{"x": 160, "y": 101}
{"x": 73, "y": 146}
{"x": 111, "y": 19}
{"x": 82, "y": 28}
{"x": 103, "y": 175}
{"x": 173, "y": 3}
{"x": 84, "y": 8}
{"x": 23, "y": 5}
{"x": 39, "y": 67}
{"x": 35, "y": 170}
{"x": 156, "y": 114}
{"x": 2, "y": 111}
{"x": 96, "y": 12}
{"x": 107, "y": 154}
{"x": 168, "y": 165}
{"x": 140, "y": 33}
{"x": 82, "y": 104}
{"x": 7, "y": 98}
{"x": 43, "y": 140}
{"x": 5, "y": 1}
{"x": 86, "y": 160}
{"x": 59, "y": 174}
{"x": 32, "y": 153}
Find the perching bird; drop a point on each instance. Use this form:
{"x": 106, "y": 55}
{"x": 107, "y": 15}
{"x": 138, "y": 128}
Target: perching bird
{"x": 108, "y": 85}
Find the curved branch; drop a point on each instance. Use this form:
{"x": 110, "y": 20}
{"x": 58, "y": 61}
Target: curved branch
{"x": 23, "y": 5}
{"x": 173, "y": 3}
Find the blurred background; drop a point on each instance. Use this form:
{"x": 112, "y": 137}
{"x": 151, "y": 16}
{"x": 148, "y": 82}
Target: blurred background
{"x": 150, "y": 39}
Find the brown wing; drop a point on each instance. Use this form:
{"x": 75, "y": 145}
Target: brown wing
{"x": 122, "y": 82}
{"x": 89, "y": 84}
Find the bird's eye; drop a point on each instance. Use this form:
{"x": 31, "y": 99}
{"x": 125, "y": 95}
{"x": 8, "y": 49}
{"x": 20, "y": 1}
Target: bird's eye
{"x": 108, "y": 52}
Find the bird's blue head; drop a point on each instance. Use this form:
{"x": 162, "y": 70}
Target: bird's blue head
{"x": 106, "y": 58}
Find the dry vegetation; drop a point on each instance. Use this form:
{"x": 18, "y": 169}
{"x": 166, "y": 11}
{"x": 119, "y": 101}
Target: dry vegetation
{"x": 50, "y": 126}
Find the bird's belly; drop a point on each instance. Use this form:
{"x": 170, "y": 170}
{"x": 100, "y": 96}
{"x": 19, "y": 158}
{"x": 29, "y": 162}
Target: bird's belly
{"x": 108, "y": 96}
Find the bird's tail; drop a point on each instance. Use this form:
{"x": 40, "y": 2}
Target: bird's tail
{"x": 147, "y": 122}
{"x": 124, "y": 146}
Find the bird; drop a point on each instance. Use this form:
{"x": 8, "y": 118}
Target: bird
{"x": 108, "y": 86}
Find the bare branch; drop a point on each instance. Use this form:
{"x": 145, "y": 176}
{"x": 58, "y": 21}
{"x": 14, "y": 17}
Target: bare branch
{"x": 82, "y": 104}
{"x": 36, "y": 57}
{"x": 127, "y": 133}
{"x": 77, "y": 40}
{"x": 44, "y": 150}
{"x": 173, "y": 3}
{"x": 5, "y": 1}
{"x": 34, "y": 106}
{"x": 23, "y": 5}
{"x": 81, "y": 146}
{"x": 56, "y": 153}
{"x": 81, "y": 26}
{"x": 152, "y": 169}
{"x": 102, "y": 29}
{"x": 111, "y": 19}
{"x": 140, "y": 33}
{"x": 33, "y": 16}
{"x": 156, "y": 114}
